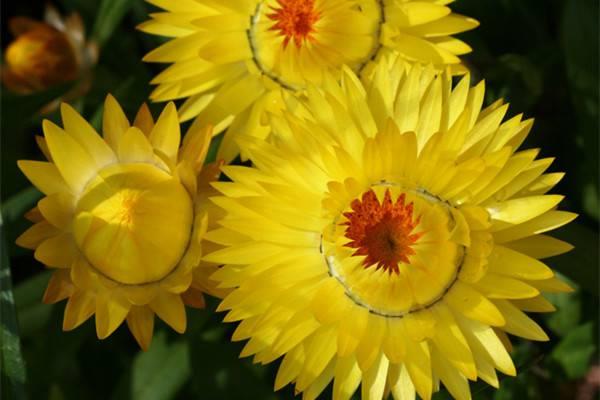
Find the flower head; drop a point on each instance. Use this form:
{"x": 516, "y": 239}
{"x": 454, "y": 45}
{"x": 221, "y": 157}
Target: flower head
{"x": 122, "y": 219}
{"x": 233, "y": 61}
{"x": 389, "y": 237}
{"x": 45, "y": 54}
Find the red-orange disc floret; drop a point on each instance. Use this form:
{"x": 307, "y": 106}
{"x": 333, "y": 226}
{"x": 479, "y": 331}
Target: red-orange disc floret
{"x": 382, "y": 231}
{"x": 295, "y": 19}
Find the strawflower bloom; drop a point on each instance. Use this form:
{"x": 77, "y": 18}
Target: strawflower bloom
{"x": 233, "y": 60}
{"x": 48, "y": 53}
{"x": 389, "y": 237}
{"x": 122, "y": 219}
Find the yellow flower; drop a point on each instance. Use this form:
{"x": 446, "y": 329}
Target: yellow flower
{"x": 234, "y": 60}
{"x": 389, "y": 237}
{"x": 122, "y": 220}
{"x": 45, "y": 54}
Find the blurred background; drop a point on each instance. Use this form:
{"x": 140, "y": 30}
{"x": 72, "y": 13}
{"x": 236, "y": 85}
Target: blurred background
{"x": 541, "y": 56}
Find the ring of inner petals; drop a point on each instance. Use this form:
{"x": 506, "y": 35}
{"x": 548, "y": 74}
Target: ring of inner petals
{"x": 378, "y": 239}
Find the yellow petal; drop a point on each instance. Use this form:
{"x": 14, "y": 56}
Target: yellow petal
{"x": 135, "y": 147}
{"x": 417, "y": 49}
{"x": 497, "y": 286}
{"x": 416, "y": 13}
{"x": 59, "y": 287}
{"x": 319, "y": 384}
{"x": 454, "y": 381}
{"x": 34, "y": 215}
{"x": 58, "y": 209}
{"x": 244, "y": 254}
{"x": 540, "y": 246}
{"x": 369, "y": 348}
{"x": 195, "y": 146}
{"x": 86, "y": 136}
{"x": 347, "y": 378}
{"x": 74, "y": 163}
{"x": 170, "y": 309}
{"x": 491, "y": 344}
{"x": 420, "y": 325}
{"x": 298, "y": 328}
{"x": 114, "y": 122}
{"x": 140, "y": 321}
{"x": 418, "y": 364}
{"x": 535, "y": 304}
{"x": 374, "y": 379}
{"x": 517, "y": 323}
{"x": 505, "y": 261}
{"x": 57, "y": 252}
{"x": 181, "y": 48}
{"x": 453, "y": 45}
{"x": 290, "y": 367}
{"x": 166, "y": 134}
{"x": 486, "y": 371}
{"x": 110, "y": 313}
{"x": 143, "y": 120}
{"x": 463, "y": 299}
{"x": 80, "y": 307}
{"x": 552, "y": 285}
{"x": 517, "y": 211}
{"x": 320, "y": 349}
{"x": 544, "y": 223}
{"x": 193, "y": 298}
{"x": 329, "y": 302}
{"x": 450, "y": 341}
{"x": 35, "y": 235}
{"x": 404, "y": 389}
{"x": 448, "y": 25}
{"x": 83, "y": 276}
{"x": 41, "y": 142}
{"x": 542, "y": 184}
{"x": 394, "y": 341}
{"x": 44, "y": 176}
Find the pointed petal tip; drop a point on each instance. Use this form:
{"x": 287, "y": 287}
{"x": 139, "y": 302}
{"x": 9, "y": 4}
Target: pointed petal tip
{"x": 48, "y": 125}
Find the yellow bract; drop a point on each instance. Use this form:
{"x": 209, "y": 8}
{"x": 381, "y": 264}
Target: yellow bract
{"x": 123, "y": 219}
{"x": 133, "y": 223}
{"x": 477, "y": 207}
{"x": 235, "y": 61}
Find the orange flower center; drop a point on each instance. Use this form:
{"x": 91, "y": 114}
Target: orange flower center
{"x": 295, "y": 19}
{"x": 382, "y": 231}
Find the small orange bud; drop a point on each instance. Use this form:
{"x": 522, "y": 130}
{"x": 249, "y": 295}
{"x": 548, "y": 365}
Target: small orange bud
{"x": 38, "y": 59}
{"x": 48, "y": 53}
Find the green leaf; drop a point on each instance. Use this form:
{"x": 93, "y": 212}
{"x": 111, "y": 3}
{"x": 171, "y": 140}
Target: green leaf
{"x": 110, "y": 14}
{"x": 574, "y": 352}
{"x": 12, "y": 366}
{"x": 160, "y": 372}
